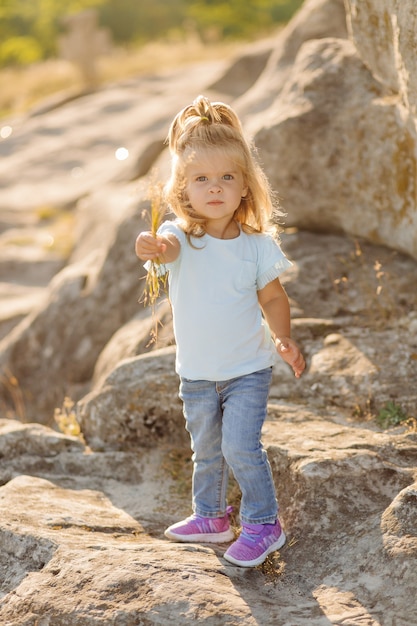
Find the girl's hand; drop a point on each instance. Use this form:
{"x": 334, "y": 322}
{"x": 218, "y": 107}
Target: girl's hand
{"x": 291, "y": 354}
{"x": 148, "y": 247}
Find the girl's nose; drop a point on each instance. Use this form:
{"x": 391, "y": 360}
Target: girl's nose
{"x": 215, "y": 187}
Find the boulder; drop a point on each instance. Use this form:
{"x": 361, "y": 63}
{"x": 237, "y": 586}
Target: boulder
{"x": 244, "y": 70}
{"x": 55, "y": 347}
{"x": 137, "y": 404}
{"x": 398, "y": 524}
{"x": 384, "y": 34}
{"x": 150, "y": 329}
{"x": 314, "y": 20}
{"x": 327, "y": 452}
{"x": 81, "y": 532}
{"x": 331, "y": 133}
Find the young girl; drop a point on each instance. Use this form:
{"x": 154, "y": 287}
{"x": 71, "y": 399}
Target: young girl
{"x": 223, "y": 265}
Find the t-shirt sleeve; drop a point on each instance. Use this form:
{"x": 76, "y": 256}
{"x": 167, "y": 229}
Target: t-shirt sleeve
{"x": 172, "y": 228}
{"x": 168, "y": 228}
{"x": 271, "y": 261}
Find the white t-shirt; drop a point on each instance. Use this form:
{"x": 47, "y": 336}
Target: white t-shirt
{"x": 218, "y": 325}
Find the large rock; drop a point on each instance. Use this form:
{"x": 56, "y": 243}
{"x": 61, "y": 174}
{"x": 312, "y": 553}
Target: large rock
{"x": 315, "y": 20}
{"x": 81, "y": 532}
{"x": 135, "y": 405}
{"x": 310, "y": 452}
{"x": 335, "y": 122}
{"x": 244, "y": 70}
{"x": 399, "y": 523}
{"x": 340, "y": 149}
{"x": 354, "y": 314}
{"x": 150, "y": 329}
{"x": 384, "y": 34}
{"x": 55, "y": 348}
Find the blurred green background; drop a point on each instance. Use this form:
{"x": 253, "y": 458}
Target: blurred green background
{"x": 29, "y": 29}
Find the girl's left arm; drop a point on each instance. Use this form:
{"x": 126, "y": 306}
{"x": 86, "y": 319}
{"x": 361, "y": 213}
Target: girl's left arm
{"x": 274, "y": 303}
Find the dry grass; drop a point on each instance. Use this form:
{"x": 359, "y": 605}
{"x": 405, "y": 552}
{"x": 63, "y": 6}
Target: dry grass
{"x": 156, "y": 281}
{"x": 66, "y": 419}
{"x": 368, "y": 281}
{"x": 23, "y": 88}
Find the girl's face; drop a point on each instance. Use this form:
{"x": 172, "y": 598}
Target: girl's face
{"x": 215, "y": 187}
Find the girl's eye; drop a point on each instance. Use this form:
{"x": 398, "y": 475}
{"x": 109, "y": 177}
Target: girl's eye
{"x": 228, "y": 177}
{"x": 201, "y": 179}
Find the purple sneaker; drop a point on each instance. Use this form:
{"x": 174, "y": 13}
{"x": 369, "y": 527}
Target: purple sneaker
{"x": 254, "y": 544}
{"x": 202, "y": 529}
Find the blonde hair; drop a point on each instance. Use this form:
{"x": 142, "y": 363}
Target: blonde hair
{"x": 205, "y": 125}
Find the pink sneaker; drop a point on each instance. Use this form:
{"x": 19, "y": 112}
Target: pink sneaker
{"x": 254, "y": 544}
{"x": 201, "y": 529}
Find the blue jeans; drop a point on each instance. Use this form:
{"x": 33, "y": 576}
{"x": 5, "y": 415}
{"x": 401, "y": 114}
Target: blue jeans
{"x": 225, "y": 420}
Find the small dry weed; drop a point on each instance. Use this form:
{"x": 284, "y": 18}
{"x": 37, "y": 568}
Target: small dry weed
{"x": 370, "y": 282}
{"x": 11, "y": 385}
{"x": 66, "y": 419}
{"x": 178, "y": 465}
{"x": 273, "y": 567}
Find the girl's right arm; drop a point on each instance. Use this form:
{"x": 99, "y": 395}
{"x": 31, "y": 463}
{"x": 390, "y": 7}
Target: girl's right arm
{"x": 164, "y": 249}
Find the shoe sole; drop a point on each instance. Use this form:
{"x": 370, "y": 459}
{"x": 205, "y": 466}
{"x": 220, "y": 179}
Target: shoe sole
{"x": 223, "y": 537}
{"x": 275, "y": 546}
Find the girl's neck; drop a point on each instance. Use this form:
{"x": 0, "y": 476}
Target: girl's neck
{"x": 230, "y": 230}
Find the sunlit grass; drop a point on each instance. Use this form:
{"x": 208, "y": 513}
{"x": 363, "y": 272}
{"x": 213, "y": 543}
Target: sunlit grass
{"x": 156, "y": 277}
{"x": 66, "y": 419}
{"x": 22, "y": 88}
{"x": 10, "y": 388}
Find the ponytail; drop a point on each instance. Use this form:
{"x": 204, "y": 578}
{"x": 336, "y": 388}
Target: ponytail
{"x": 195, "y": 120}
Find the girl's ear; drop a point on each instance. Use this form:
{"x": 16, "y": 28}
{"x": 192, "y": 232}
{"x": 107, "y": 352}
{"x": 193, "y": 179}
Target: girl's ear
{"x": 244, "y": 192}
